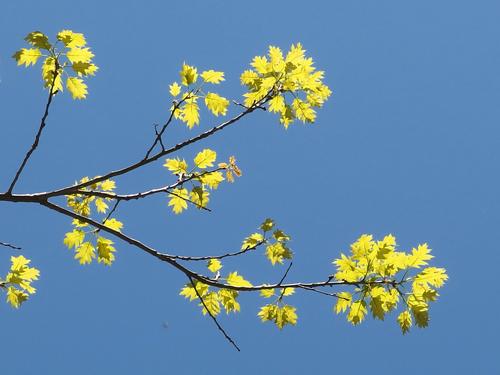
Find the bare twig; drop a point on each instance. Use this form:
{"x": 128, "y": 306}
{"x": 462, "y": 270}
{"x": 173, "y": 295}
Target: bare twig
{"x": 9, "y": 245}
{"x": 212, "y": 316}
{"x": 226, "y": 255}
{"x": 38, "y": 134}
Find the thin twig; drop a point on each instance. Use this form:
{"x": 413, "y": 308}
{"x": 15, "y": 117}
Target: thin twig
{"x": 9, "y": 245}
{"x": 150, "y": 159}
{"x": 227, "y": 255}
{"x": 38, "y": 134}
{"x": 212, "y": 316}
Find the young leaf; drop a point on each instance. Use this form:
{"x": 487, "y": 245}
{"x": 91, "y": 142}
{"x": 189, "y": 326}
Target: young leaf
{"x": 175, "y": 89}
{"x": 178, "y": 200}
{"x": 205, "y": 158}
{"x": 214, "y": 265}
{"x": 211, "y": 76}
{"x": 85, "y": 253}
{"x": 188, "y": 74}
{"x": 216, "y": 104}
{"x": 27, "y": 56}
{"x": 237, "y": 280}
{"x": 76, "y": 87}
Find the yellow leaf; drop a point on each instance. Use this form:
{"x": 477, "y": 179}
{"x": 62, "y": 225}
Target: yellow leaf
{"x": 188, "y": 74}
{"x": 288, "y": 292}
{"x": 105, "y": 251}
{"x": 199, "y": 196}
{"x": 114, "y": 224}
{"x": 252, "y": 241}
{"x": 214, "y": 265}
{"x": 267, "y": 312}
{"x": 296, "y": 54}
{"x": 267, "y": 293}
{"x": 16, "y": 297}
{"x": 71, "y": 39}
{"x": 277, "y": 252}
{"x": 190, "y": 293}
{"x": 303, "y": 110}
{"x": 277, "y": 104}
{"x": 357, "y": 312}
{"x": 287, "y": 116}
{"x": 227, "y": 298}
{"x": 205, "y": 158}
{"x": 101, "y": 205}
{"x": 212, "y": 179}
{"x": 237, "y": 280}
{"x": 38, "y": 39}
{"x": 433, "y": 276}
{"x": 250, "y": 78}
{"x": 281, "y": 316}
{"x": 78, "y": 54}
{"x": 175, "y": 89}
{"x": 260, "y": 64}
{"x": 190, "y": 114}
{"x": 84, "y": 68}
{"x": 216, "y": 104}
{"x": 74, "y": 238}
{"x": 178, "y": 200}
{"x": 85, "y": 253}
{"x": 27, "y": 56}
{"x": 420, "y": 256}
{"x": 267, "y": 225}
{"x": 48, "y": 70}
{"x": 18, "y": 263}
{"x": 280, "y": 236}
{"x": 404, "y": 320}
{"x": 211, "y": 76}
{"x": 176, "y": 166}
{"x": 211, "y": 301}
{"x": 107, "y": 185}
{"x": 344, "y": 301}
{"x": 76, "y": 87}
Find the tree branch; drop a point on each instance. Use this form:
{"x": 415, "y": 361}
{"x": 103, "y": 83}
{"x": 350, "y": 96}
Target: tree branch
{"x": 212, "y": 316}
{"x": 150, "y": 159}
{"x": 38, "y": 134}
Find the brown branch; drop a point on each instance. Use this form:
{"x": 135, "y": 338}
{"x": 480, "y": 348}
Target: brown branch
{"x": 206, "y": 280}
{"x": 150, "y": 159}
{"x": 38, "y": 134}
{"x": 212, "y": 316}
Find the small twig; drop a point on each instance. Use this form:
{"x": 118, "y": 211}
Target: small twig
{"x": 38, "y": 134}
{"x": 286, "y": 273}
{"x": 152, "y": 158}
{"x": 244, "y": 106}
{"x": 227, "y": 255}
{"x": 111, "y": 212}
{"x": 9, "y": 245}
{"x": 212, "y": 316}
{"x": 159, "y": 138}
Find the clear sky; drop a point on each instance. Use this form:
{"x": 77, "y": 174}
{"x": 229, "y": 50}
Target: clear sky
{"x": 408, "y": 144}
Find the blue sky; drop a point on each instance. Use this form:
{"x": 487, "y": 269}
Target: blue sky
{"x": 407, "y": 144}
